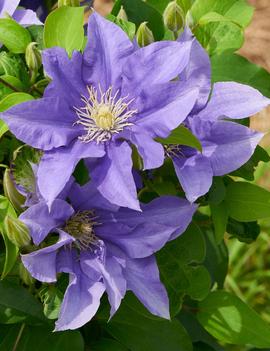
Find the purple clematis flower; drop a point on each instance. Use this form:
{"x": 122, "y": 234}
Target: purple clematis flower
{"x": 226, "y": 145}
{"x": 36, "y": 5}
{"x": 98, "y": 104}
{"x": 103, "y": 247}
{"x": 22, "y": 16}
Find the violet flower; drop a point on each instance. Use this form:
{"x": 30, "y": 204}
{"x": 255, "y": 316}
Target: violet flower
{"x": 103, "y": 248}
{"x": 36, "y": 5}
{"x": 22, "y": 16}
{"x": 226, "y": 145}
{"x": 100, "y": 102}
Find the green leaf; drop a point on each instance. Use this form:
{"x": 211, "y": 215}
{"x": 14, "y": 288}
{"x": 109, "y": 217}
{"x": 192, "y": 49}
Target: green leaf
{"x": 182, "y": 136}
{"x": 51, "y": 298}
{"x": 42, "y": 339}
{"x": 139, "y": 11}
{"x": 18, "y": 305}
{"x": 127, "y": 26}
{"x": 13, "y": 36}
{"x": 223, "y": 69}
{"x": 13, "y": 82}
{"x": 248, "y": 169}
{"x": 180, "y": 267}
{"x": 134, "y": 327}
{"x": 247, "y": 202}
{"x": 220, "y": 219}
{"x": 64, "y": 28}
{"x": 107, "y": 345}
{"x": 14, "y": 99}
{"x": 162, "y": 4}
{"x": 11, "y": 251}
{"x": 14, "y": 65}
{"x": 227, "y": 32}
{"x": 245, "y": 232}
{"x": 230, "y": 320}
{"x": 3, "y": 128}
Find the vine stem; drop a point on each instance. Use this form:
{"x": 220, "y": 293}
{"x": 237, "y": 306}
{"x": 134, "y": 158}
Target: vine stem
{"x": 10, "y": 86}
{"x": 18, "y": 337}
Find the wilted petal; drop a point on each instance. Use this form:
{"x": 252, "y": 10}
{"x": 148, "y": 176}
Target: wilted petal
{"x": 105, "y": 52}
{"x": 44, "y": 123}
{"x": 41, "y": 221}
{"x": 41, "y": 264}
{"x": 143, "y": 279}
{"x": 26, "y": 17}
{"x": 56, "y": 167}
{"x": 113, "y": 176}
{"x": 233, "y": 100}
{"x": 195, "y": 175}
{"x": 82, "y": 297}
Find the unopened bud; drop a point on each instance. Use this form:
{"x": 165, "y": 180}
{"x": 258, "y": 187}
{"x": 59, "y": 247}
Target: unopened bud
{"x": 173, "y": 17}
{"x": 122, "y": 14}
{"x": 25, "y": 275}
{"x": 72, "y": 3}
{"x": 33, "y": 60}
{"x": 144, "y": 35}
{"x": 10, "y": 191}
{"x": 17, "y": 231}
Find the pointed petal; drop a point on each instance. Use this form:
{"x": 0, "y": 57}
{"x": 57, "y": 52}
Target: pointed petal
{"x": 151, "y": 151}
{"x": 143, "y": 279}
{"x": 41, "y": 221}
{"x": 233, "y": 100}
{"x": 44, "y": 123}
{"x": 113, "y": 176}
{"x": 66, "y": 74}
{"x": 198, "y": 71}
{"x": 195, "y": 175}
{"x": 156, "y": 63}
{"x": 104, "y": 57}
{"x": 8, "y": 6}
{"x": 26, "y": 18}
{"x": 112, "y": 275}
{"x": 229, "y": 146}
{"x": 41, "y": 264}
{"x": 82, "y": 297}
{"x": 51, "y": 178}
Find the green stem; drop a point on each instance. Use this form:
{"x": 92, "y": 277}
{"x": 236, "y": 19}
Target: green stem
{"x": 18, "y": 337}
{"x": 10, "y": 86}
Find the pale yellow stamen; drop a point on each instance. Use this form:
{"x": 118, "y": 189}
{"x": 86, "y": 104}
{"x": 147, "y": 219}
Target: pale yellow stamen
{"x": 103, "y": 115}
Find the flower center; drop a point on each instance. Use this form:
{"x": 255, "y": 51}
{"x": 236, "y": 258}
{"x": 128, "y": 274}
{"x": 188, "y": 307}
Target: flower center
{"x": 103, "y": 115}
{"x": 81, "y": 227}
{"x": 173, "y": 150}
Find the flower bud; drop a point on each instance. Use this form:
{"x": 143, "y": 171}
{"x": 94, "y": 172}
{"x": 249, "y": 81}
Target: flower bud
{"x": 33, "y": 59}
{"x": 122, "y": 14}
{"x": 173, "y": 17}
{"x": 144, "y": 35}
{"x": 25, "y": 276}
{"x": 68, "y": 3}
{"x": 17, "y": 231}
{"x": 10, "y": 191}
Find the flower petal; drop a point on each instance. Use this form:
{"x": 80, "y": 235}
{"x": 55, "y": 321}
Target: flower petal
{"x": 113, "y": 176}
{"x": 233, "y": 100}
{"x": 82, "y": 297}
{"x": 26, "y": 17}
{"x": 143, "y": 279}
{"x": 229, "y": 146}
{"x": 51, "y": 177}
{"x": 156, "y": 63}
{"x": 8, "y": 6}
{"x": 105, "y": 52}
{"x": 66, "y": 75}
{"x": 41, "y": 221}
{"x": 41, "y": 264}
{"x": 195, "y": 175}
{"x": 198, "y": 71}
{"x": 44, "y": 123}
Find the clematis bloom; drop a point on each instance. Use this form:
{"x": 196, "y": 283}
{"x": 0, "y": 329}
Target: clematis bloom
{"x": 20, "y": 15}
{"x": 103, "y": 247}
{"x": 226, "y": 145}
{"x": 98, "y": 104}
